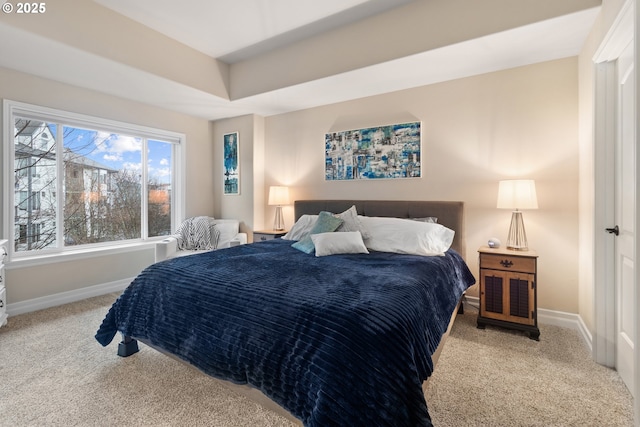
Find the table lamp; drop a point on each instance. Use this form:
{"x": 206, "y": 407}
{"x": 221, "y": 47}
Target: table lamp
{"x": 517, "y": 194}
{"x": 278, "y": 196}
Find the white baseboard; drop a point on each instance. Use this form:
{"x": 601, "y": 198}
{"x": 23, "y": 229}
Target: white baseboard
{"x": 65, "y": 297}
{"x": 552, "y": 317}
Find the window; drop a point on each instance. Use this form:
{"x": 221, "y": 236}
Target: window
{"x": 115, "y": 180}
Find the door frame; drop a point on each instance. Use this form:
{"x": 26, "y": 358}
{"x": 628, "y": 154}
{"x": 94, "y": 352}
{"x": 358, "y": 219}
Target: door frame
{"x": 621, "y": 33}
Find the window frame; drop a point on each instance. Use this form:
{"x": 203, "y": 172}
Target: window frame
{"x": 11, "y": 109}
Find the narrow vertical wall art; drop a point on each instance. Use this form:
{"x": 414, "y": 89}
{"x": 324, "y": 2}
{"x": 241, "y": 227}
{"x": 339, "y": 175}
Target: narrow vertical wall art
{"x": 231, "y": 164}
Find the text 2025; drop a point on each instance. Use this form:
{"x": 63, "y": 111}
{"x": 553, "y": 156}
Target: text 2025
{"x": 31, "y": 7}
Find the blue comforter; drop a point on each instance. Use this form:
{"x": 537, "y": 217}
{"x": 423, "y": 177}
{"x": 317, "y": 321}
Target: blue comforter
{"x": 341, "y": 340}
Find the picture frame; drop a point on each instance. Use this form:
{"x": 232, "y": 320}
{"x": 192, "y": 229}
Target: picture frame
{"x": 231, "y": 164}
{"x": 380, "y": 152}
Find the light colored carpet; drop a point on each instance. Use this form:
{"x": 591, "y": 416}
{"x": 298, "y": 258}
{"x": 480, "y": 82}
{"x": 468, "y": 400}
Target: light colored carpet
{"x": 53, "y": 373}
{"x": 505, "y": 379}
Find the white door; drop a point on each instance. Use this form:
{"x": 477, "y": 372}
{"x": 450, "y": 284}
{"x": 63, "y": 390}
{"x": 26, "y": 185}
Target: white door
{"x": 625, "y": 191}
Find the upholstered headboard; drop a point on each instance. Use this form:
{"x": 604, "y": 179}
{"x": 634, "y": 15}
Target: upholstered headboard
{"x": 449, "y": 214}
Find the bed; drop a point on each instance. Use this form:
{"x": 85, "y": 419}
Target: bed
{"x": 346, "y": 339}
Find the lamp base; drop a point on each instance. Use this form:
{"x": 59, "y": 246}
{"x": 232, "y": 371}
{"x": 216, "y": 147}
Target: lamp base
{"x": 517, "y": 239}
{"x": 278, "y": 223}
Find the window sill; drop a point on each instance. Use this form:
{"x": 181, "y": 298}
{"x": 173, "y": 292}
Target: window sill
{"x": 53, "y": 258}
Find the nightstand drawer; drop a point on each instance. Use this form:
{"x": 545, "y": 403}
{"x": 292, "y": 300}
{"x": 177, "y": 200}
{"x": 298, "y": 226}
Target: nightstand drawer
{"x": 259, "y": 237}
{"x": 263, "y": 235}
{"x": 508, "y": 262}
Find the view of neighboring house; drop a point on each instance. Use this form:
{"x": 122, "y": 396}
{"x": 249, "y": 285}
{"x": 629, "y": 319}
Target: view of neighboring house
{"x": 87, "y": 188}
{"x": 35, "y": 197}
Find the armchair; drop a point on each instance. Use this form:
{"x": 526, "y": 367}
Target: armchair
{"x": 227, "y": 235}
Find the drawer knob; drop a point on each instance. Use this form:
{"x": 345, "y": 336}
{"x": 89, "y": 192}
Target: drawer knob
{"x": 506, "y": 263}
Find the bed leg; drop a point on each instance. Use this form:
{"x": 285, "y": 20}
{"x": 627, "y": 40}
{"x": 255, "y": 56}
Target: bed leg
{"x": 127, "y": 346}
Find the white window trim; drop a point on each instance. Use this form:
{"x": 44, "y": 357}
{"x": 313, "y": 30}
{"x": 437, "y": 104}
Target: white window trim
{"x": 13, "y": 108}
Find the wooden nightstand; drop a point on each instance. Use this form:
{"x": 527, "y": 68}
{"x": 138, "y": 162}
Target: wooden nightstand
{"x": 508, "y": 290}
{"x": 262, "y": 235}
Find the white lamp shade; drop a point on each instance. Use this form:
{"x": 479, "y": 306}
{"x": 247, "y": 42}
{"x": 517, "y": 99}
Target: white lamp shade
{"x": 517, "y": 194}
{"x": 278, "y": 195}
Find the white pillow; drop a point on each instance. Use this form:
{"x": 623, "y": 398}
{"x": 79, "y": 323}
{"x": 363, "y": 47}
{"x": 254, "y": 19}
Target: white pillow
{"x": 347, "y": 242}
{"x": 301, "y": 228}
{"x": 228, "y": 229}
{"x": 407, "y": 237}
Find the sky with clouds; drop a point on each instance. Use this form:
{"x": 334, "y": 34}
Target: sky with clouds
{"x": 120, "y": 151}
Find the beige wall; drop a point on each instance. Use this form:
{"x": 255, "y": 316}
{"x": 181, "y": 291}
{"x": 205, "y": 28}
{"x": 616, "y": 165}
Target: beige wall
{"x": 25, "y": 283}
{"x": 476, "y": 131}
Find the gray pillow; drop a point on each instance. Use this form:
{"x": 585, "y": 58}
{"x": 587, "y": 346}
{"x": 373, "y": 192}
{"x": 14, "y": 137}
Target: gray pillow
{"x": 352, "y": 222}
{"x": 430, "y": 219}
{"x": 326, "y": 223}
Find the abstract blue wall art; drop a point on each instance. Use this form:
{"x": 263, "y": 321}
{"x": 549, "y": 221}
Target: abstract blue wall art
{"x": 231, "y": 164}
{"x": 392, "y": 151}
